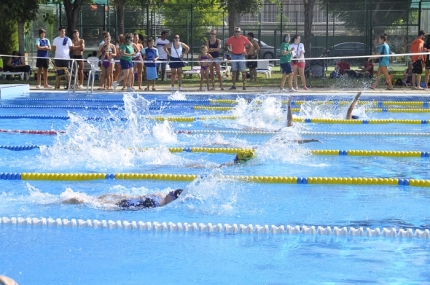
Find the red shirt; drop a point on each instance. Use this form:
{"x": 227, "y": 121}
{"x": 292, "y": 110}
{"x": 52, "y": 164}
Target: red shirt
{"x": 417, "y": 46}
{"x": 343, "y": 65}
{"x": 371, "y": 67}
{"x": 238, "y": 45}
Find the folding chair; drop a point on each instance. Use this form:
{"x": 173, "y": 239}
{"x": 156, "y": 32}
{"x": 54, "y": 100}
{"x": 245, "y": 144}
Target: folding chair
{"x": 60, "y": 73}
{"x": 194, "y": 70}
{"x": 317, "y": 71}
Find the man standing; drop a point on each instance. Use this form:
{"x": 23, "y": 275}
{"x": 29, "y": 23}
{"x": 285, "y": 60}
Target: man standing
{"x": 252, "y": 65}
{"x": 236, "y": 46}
{"x": 417, "y": 60}
{"x": 62, "y": 46}
{"x": 162, "y": 55}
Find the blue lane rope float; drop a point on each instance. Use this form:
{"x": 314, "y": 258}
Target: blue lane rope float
{"x": 218, "y": 227}
{"x": 356, "y": 122}
{"x": 191, "y": 177}
{"x": 66, "y": 100}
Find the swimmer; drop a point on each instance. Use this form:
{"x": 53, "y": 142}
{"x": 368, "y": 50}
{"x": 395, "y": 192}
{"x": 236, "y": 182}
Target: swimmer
{"x": 126, "y": 202}
{"x": 4, "y": 280}
{"x": 349, "y": 115}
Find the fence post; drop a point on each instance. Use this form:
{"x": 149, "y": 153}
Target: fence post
{"x": 147, "y": 19}
{"x": 191, "y": 31}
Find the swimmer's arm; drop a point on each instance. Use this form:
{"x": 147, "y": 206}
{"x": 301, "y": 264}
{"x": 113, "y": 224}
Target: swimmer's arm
{"x": 289, "y": 114}
{"x": 351, "y": 107}
{"x": 307, "y": 141}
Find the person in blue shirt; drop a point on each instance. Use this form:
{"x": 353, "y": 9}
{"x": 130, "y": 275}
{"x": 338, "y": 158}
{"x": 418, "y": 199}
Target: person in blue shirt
{"x": 150, "y": 54}
{"x": 384, "y": 63}
{"x": 42, "y": 61}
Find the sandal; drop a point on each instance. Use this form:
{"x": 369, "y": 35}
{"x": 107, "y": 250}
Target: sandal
{"x": 123, "y": 88}
{"x": 221, "y": 88}
{"x": 101, "y": 88}
{"x": 146, "y": 88}
{"x": 153, "y": 88}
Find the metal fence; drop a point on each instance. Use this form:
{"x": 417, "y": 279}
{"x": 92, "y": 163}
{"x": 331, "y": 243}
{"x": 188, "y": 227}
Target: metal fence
{"x": 193, "y": 23}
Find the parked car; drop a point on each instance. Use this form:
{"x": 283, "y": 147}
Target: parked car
{"x": 347, "y": 49}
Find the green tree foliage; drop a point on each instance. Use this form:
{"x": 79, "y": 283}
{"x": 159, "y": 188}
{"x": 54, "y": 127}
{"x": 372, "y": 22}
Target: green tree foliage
{"x": 192, "y": 19}
{"x": 9, "y": 34}
{"x": 235, "y": 8}
{"x": 381, "y": 13}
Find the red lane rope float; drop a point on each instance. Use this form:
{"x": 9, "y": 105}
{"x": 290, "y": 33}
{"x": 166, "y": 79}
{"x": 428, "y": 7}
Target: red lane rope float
{"x": 33, "y": 132}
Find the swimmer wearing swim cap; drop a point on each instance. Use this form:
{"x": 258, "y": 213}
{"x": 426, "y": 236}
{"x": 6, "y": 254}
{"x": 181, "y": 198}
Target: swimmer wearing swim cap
{"x": 349, "y": 115}
{"x": 125, "y": 202}
{"x": 244, "y": 156}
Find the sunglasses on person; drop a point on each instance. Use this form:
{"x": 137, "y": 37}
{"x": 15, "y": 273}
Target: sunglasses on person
{"x": 213, "y": 34}
{"x": 176, "y": 38}
{"x": 237, "y": 32}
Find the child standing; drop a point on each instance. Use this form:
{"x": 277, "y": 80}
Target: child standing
{"x": 204, "y": 58}
{"x": 107, "y": 53}
{"x": 285, "y": 61}
{"x": 150, "y": 55}
{"x": 42, "y": 61}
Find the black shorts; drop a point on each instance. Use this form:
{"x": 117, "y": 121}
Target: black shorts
{"x": 62, "y": 63}
{"x": 428, "y": 64}
{"x": 42, "y": 62}
{"x": 79, "y": 56}
{"x": 417, "y": 67}
{"x": 251, "y": 64}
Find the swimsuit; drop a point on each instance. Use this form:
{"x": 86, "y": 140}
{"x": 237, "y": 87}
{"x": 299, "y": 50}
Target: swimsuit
{"x": 150, "y": 201}
{"x": 204, "y": 58}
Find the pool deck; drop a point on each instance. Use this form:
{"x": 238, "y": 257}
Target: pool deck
{"x": 8, "y": 91}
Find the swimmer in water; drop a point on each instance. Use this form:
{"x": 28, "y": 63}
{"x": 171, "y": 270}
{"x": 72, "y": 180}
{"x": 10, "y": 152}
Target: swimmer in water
{"x": 126, "y": 202}
{"x": 349, "y": 115}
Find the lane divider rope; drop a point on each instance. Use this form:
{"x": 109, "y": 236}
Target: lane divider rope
{"x": 191, "y": 177}
{"x": 372, "y": 121}
{"x": 218, "y": 228}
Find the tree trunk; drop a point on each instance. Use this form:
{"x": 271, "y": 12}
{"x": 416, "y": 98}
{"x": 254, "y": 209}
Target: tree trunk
{"x": 72, "y": 14}
{"x": 233, "y": 17}
{"x": 21, "y": 38}
{"x": 120, "y": 16}
{"x": 309, "y": 16}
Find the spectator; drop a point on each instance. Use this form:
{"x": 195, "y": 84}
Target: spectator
{"x": 298, "y": 61}
{"x": 236, "y": 46}
{"x": 126, "y": 62}
{"x": 77, "y": 53}
{"x": 62, "y": 47}
{"x": 384, "y": 63}
{"x": 107, "y": 53}
{"x": 150, "y": 53}
{"x": 285, "y": 61}
{"x": 427, "y": 63}
{"x": 42, "y": 61}
{"x": 205, "y": 60}
{"x": 367, "y": 70}
{"x": 407, "y": 75}
{"x": 16, "y": 63}
{"x": 160, "y": 43}
{"x": 252, "y": 65}
{"x": 138, "y": 60}
{"x": 214, "y": 47}
{"x": 177, "y": 52}
{"x": 417, "y": 46}
{"x": 119, "y": 42}
{"x": 342, "y": 66}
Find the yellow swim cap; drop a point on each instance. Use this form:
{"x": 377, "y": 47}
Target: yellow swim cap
{"x": 245, "y": 156}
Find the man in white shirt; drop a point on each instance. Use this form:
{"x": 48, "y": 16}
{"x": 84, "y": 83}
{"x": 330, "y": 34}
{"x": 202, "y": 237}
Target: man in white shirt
{"x": 62, "y": 46}
{"x": 162, "y": 55}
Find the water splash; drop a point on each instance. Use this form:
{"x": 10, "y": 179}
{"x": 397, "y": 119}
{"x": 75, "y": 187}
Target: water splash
{"x": 177, "y": 95}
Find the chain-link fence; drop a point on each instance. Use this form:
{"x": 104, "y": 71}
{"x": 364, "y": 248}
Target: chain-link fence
{"x": 333, "y": 24}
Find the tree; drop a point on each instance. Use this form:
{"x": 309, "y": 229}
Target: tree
{"x": 364, "y": 14}
{"x": 72, "y": 8}
{"x": 239, "y": 7}
{"x": 20, "y": 12}
{"x": 309, "y": 16}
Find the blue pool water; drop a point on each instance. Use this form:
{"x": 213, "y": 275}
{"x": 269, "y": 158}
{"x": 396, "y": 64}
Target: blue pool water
{"x": 52, "y": 254}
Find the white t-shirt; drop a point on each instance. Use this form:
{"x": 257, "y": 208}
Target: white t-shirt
{"x": 159, "y": 44}
{"x": 62, "y": 51}
{"x": 299, "y": 51}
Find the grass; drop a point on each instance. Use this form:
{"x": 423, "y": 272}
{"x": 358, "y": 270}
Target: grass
{"x": 262, "y": 81}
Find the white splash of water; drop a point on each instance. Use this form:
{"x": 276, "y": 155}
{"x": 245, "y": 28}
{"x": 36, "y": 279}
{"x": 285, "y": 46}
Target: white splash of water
{"x": 177, "y": 95}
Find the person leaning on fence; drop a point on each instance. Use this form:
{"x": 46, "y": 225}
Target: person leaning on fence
{"x": 384, "y": 62}
{"x": 417, "y": 46}
{"x": 77, "y": 53}
{"x": 62, "y": 46}
{"x": 252, "y": 65}
{"x": 285, "y": 62}
{"x": 214, "y": 48}
{"x": 236, "y": 46}
{"x": 176, "y": 53}
{"x": 427, "y": 62}
{"x": 42, "y": 62}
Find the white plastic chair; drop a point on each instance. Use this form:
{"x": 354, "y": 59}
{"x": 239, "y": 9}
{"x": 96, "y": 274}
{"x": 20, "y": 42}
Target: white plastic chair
{"x": 194, "y": 70}
{"x": 264, "y": 67}
{"x": 94, "y": 63}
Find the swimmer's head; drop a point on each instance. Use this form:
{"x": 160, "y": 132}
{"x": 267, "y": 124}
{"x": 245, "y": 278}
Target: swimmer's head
{"x": 355, "y": 117}
{"x": 244, "y": 156}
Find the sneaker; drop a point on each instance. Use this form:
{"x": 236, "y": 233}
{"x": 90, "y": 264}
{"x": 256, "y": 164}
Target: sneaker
{"x": 306, "y": 88}
{"x": 233, "y": 87}
{"x": 115, "y": 85}
{"x": 130, "y": 89}
{"x": 38, "y": 87}
{"x": 172, "y": 88}
{"x": 180, "y": 89}
{"x": 293, "y": 90}
{"x": 283, "y": 90}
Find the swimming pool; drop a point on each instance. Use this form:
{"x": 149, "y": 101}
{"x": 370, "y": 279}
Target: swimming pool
{"x": 244, "y": 231}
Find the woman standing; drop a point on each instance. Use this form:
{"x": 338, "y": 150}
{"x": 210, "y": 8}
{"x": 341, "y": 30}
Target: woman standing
{"x": 119, "y": 42}
{"x": 176, "y": 53}
{"x": 77, "y": 53}
{"x": 384, "y": 62}
{"x": 126, "y": 61}
{"x": 107, "y": 53}
{"x": 138, "y": 60}
{"x": 214, "y": 47}
{"x": 298, "y": 61}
